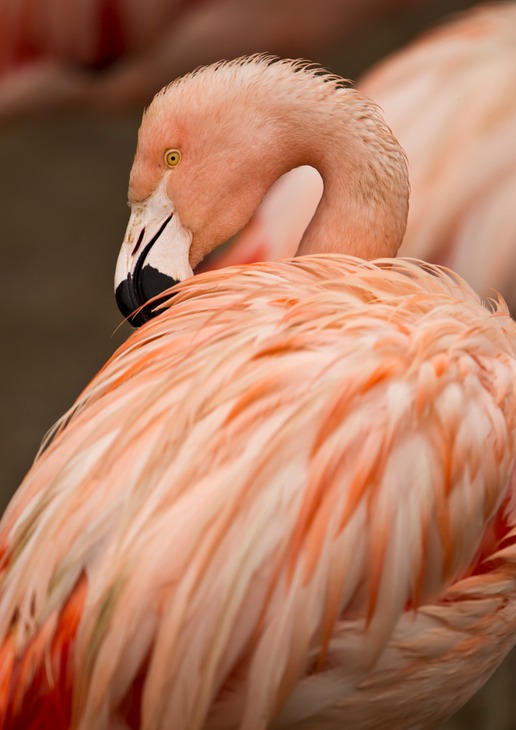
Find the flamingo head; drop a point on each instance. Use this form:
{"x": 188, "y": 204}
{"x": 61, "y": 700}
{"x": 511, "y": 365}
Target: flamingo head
{"x": 213, "y": 143}
{"x": 208, "y": 150}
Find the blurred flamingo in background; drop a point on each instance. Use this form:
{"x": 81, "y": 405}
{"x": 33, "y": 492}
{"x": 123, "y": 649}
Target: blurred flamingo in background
{"x": 286, "y": 501}
{"x": 115, "y": 53}
{"x": 448, "y": 98}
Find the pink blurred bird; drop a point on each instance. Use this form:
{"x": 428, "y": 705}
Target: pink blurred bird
{"x": 448, "y": 98}
{"x": 115, "y": 53}
{"x": 287, "y": 501}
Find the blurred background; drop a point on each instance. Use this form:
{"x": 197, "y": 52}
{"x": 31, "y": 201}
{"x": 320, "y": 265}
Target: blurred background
{"x": 72, "y": 88}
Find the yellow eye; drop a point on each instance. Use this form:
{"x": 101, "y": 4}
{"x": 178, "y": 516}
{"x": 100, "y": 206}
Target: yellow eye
{"x": 172, "y": 158}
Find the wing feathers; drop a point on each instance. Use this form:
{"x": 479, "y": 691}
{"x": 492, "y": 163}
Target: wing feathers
{"x": 267, "y": 495}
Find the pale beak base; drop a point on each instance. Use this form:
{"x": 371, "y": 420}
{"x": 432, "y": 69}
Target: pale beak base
{"x": 154, "y": 256}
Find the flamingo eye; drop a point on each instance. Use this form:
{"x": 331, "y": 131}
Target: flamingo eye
{"x": 172, "y": 158}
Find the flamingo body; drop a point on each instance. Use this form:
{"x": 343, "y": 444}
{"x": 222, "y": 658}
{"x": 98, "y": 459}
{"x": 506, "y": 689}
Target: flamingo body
{"x": 284, "y": 502}
{"x": 287, "y": 502}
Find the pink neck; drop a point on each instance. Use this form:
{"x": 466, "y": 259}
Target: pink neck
{"x": 364, "y": 206}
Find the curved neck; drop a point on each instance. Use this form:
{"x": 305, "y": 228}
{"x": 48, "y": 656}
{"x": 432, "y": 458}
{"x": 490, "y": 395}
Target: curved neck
{"x": 364, "y": 206}
{"x": 267, "y": 117}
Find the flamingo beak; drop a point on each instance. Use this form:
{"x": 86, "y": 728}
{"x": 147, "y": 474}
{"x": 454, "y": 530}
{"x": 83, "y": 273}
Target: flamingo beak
{"x": 154, "y": 256}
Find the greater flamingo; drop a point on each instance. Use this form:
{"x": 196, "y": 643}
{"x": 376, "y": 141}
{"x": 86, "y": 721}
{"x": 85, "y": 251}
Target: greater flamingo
{"x": 286, "y": 501}
{"x": 448, "y": 98}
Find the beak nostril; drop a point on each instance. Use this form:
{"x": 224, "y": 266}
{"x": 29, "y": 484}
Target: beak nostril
{"x": 138, "y": 242}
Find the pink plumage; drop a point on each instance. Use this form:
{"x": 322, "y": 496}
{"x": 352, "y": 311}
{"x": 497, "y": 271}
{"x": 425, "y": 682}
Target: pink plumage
{"x": 287, "y": 501}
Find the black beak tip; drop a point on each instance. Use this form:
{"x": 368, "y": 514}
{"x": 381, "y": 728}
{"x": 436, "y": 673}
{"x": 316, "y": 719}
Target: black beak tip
{"x": 151, "y": 283}
{"x": 132, "y": 293}
{"x": 127, "y": 304}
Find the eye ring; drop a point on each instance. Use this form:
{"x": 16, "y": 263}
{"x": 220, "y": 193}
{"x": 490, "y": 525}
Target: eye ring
{"x": 172, "y": 157}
